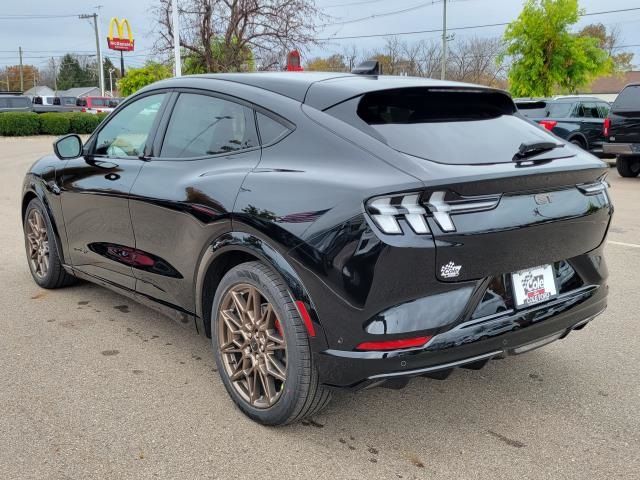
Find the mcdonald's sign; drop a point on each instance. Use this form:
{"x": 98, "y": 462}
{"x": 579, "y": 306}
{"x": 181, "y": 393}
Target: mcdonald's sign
{"x": 119, "y": 42}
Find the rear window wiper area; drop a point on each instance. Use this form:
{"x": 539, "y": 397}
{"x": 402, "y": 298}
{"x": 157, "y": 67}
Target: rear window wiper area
{"x": 533, "y": 149}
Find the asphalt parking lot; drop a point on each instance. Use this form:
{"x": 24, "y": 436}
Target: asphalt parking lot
{"x": 93, "y": 385}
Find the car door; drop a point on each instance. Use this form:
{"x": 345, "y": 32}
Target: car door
{"x": 183, "y": 198}
{"x": 591, "y": 123}
{"x": 95, "y": 189}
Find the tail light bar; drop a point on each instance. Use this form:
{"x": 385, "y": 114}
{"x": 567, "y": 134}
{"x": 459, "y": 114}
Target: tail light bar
{"x": 386, "y": 211}
{"x": 548, "y": 124}
{"x": 606, "y": 127}
{"x": 594, "y": 188}
{"x": 442, "y": 209}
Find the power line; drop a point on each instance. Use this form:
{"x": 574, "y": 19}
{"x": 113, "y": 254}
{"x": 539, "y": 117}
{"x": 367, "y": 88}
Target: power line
{"x": 466, "y": 27}
{"x": 382, "y": 15}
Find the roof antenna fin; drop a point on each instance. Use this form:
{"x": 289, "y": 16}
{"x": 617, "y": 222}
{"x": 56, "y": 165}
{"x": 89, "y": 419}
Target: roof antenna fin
{"x": 371, "y": 67}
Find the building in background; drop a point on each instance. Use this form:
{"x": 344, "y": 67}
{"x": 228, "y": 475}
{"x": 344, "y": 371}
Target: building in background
{"x": 608, "y": 88}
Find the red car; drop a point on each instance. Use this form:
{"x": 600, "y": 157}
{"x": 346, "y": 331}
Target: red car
{"x": 97, "y": 104}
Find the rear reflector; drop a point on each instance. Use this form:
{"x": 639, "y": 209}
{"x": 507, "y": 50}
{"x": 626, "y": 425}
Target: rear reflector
{"x": 306, "y": 318}
{"x": 548, "y": 124}
{"x": 394, "y": 344}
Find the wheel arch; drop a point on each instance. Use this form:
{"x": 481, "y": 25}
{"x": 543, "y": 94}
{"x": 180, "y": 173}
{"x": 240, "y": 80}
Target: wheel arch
{"x": 232, "y": 249}
{"x": 581, "y": 137}
{"x": 33, "y": 192}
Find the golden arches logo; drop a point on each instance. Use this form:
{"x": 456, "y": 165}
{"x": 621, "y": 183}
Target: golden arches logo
{"x": 120, "y": 42}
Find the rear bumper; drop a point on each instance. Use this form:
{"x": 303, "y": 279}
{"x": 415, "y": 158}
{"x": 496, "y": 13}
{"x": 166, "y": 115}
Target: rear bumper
{"x": 621, "y": 148}
{"x": 469, "y": 345}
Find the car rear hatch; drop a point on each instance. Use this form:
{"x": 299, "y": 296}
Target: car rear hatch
{"x": 501, "y": 194}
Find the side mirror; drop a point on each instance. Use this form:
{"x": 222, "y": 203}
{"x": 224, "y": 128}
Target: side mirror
{"x": 68, "y": 147}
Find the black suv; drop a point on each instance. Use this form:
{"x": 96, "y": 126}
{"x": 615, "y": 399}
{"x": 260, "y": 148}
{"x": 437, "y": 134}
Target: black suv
{"x": 622, "y": 131}
{"x": 328, "y": 230}
{"x": 577, "y": 119}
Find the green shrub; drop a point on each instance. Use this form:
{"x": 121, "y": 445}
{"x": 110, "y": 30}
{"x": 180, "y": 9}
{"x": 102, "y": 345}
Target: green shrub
{"x": 19, "y": 123}
{"x": 53, "y": 123}
{"x": 102, "y": 116}
{"x": 82, "y": 123}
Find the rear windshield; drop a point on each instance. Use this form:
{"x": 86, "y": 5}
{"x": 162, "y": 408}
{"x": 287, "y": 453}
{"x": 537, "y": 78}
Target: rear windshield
{"x": 532, "y": 109}
{"x": 449, "y": 126}
{"x": 629, "y": 99}
{"x": 559, "y": 110}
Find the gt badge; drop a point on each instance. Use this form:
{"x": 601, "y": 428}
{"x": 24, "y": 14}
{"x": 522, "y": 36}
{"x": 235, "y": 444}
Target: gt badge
{"x": 450, "y": 270}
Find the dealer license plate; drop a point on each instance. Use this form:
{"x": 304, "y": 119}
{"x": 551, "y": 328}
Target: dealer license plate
{"x": 534, "y": 285}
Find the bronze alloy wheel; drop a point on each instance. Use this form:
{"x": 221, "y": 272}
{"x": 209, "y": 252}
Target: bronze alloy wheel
{"x": 38, "y": 243}
{"x": 252, "y": 346}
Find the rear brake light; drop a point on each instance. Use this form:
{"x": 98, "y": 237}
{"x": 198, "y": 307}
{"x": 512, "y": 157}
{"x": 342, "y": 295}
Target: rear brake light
{"x": 606, "y": 126}
{"x": 548, "y": 124}
{"x": 394, "y": 344}
{"x": 385, "y": 212}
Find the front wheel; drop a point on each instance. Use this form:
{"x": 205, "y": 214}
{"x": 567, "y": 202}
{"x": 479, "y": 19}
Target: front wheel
{"x": 42, "y": 251}
{"x": 262, "y": 349}
{"x": 628, "y": 166}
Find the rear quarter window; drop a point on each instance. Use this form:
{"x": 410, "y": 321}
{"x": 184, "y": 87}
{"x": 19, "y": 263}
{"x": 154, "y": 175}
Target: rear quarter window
{"x": 270, "y": 130}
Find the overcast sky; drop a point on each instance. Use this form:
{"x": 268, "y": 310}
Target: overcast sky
{"x": 42, "y": 38}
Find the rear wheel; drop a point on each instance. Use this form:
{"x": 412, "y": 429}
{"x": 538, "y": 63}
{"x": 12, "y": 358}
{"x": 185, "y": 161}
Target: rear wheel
{"x": 579, "y": 142}
{"x": 628, "y": 166}
{"x": 262, "y": 349}
{"x": 42, "y": 250}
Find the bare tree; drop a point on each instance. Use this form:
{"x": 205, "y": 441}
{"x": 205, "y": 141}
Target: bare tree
{"x": 228, "y": 35}
{"x": 475, "y": 60}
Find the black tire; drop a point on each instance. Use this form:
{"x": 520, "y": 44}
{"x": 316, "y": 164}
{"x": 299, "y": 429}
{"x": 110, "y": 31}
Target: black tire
{"x": 55, "y": 276}
{"x": 628, "y": 166}
{"x": 578, "y": 142}
{"x": 302, "y": 394}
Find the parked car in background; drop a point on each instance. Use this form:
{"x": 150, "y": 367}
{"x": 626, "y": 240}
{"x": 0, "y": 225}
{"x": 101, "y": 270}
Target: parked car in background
{"x": 622, "y": 131}
{"x": 15, "y": 103}
{"x": 96, "y": 104}
{"x": 54, "y": 104}
{"x": 578, "y": 120}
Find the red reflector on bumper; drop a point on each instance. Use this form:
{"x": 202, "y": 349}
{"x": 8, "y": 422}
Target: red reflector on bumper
{"x": 306, "y": 318}
{"x": 394, "y": 344}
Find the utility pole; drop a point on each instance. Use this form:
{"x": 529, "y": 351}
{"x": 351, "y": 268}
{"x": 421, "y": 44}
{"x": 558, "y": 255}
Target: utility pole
{"x": 96, "y": 29}
{"x": 21, "y": 72}
{"x": 443, "y": 67}
{"x": 8, "y": 86}
{"x": 176, "y": 37}
{"x": 111, "y": 70}
{"x": 55, "y": 75}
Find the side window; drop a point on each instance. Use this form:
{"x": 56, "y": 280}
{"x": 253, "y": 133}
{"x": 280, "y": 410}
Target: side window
{"x": 578, "y": 111}
{"x": 590, "y": 110}
{"x": 603, "y": 110}
{"x": 125, "y": 134}
{"x": 203, "y": 125}
{"x": 270, "y": 130}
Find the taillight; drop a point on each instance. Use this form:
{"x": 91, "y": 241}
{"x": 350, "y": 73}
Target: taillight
{"x": 394, "y": 344}
{"x": 548, "y": 124}
{"x": 385, "y": 212}
{"x": 606, "y": 126}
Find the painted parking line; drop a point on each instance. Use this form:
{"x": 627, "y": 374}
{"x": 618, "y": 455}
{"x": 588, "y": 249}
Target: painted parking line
{"x": 624, "y": 244}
